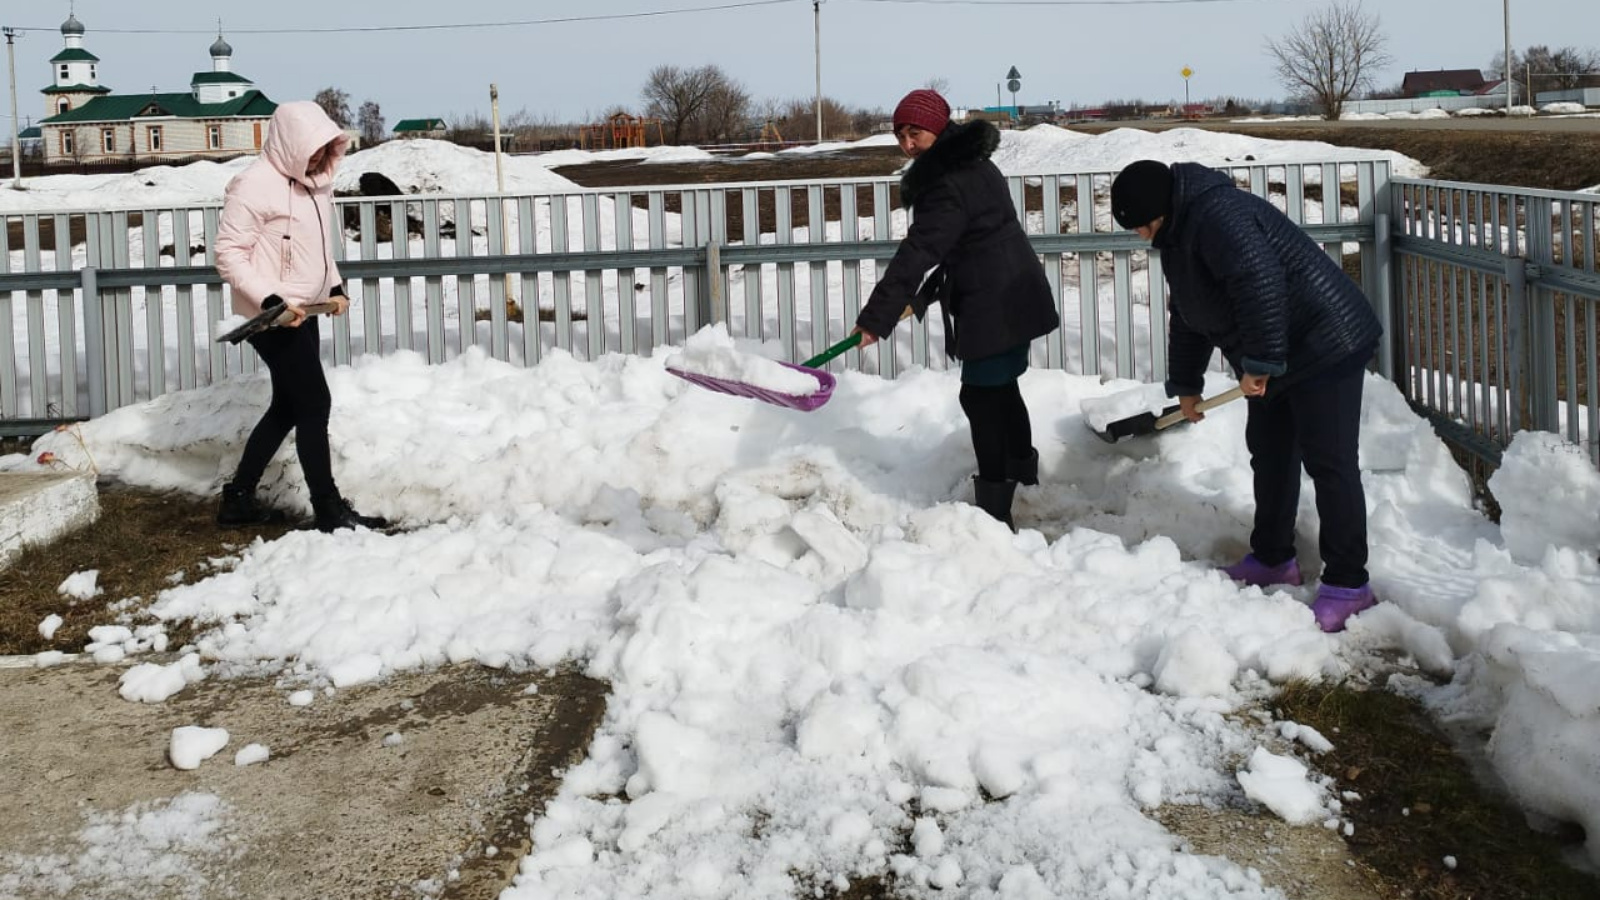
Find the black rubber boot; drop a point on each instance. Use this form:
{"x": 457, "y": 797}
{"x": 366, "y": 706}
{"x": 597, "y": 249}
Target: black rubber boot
{"x": 334, "y": 512}
{"x": 994, "y": 498}
{"x": 238, "y": 508}
{"x": 1024, "y": 470}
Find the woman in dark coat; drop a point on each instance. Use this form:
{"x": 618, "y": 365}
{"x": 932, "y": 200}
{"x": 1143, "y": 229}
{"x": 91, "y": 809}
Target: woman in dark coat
{"x": 989, "y": 281}
{"x": 1298, "y": 332}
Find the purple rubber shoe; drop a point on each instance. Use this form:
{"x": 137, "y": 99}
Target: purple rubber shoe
{"x": 1252, "y": 571}
{"x": 1334, "y": 605}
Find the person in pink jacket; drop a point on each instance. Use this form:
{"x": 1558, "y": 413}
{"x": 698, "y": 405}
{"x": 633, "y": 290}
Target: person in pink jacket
{"x": 274, "y": 249}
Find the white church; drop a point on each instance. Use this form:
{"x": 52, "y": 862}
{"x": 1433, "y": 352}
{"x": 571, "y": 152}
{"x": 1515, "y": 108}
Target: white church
{"x": 222, "y": 115}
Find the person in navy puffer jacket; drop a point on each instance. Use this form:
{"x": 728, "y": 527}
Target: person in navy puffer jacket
{"x": 1246, "y": 280}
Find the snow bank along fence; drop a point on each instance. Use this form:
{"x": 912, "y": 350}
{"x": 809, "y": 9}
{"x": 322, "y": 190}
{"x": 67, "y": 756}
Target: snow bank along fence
{"x": 102, "y": 309}
{"x": 1497, "y": 297}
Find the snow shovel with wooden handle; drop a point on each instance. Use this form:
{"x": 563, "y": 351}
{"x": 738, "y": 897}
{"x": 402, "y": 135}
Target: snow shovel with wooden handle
{"x": 802, "y": 402}
{"x": 1149, "y": 423}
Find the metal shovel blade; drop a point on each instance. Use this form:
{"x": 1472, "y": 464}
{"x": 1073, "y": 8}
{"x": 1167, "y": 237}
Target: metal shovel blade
{"x": 1149, "y": 423}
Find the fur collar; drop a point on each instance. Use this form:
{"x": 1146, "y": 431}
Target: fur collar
{"x": 958, "y": 146}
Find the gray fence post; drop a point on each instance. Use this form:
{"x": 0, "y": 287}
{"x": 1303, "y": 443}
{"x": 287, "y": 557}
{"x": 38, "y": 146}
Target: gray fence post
{"x": 715, "y": 300}
{"x": 1380, "y": 288}
{"x": 1517, "y": 345}
{"x": 1542, "y": 354}
{"x": 97, "y": 355}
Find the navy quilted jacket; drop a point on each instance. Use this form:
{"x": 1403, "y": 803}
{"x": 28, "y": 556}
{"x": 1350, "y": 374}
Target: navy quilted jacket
{"x": 1247, "y": 280}
{"x": 988, "y": 277}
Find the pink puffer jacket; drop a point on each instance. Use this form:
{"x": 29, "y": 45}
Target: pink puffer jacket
{"x": 277, "y": 222}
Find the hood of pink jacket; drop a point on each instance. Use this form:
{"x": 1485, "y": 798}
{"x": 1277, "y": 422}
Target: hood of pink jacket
{"x": 299, "y": 128}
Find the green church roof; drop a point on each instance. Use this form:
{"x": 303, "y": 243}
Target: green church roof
{"x": 74, "y": 54}
{"x": 405, "y": 125}
{"x": 76, "y": 89}
{"x": 219, "y": 78}
{"x": 180, "y": 106}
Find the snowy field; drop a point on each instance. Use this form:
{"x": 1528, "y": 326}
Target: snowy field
{"x": 824, "y": 663}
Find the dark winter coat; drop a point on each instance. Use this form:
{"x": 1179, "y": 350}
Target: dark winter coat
{"x": 989, "y": 278}
{"x": 1247, "y": 280}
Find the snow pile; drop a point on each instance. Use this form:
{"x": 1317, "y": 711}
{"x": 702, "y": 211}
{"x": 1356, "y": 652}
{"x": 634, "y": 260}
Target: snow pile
{"x": 1535, "y": 467}
{"x": 713, "y": 352}
{"x": 423, "y": 166}
{"x": 81, "y": 585}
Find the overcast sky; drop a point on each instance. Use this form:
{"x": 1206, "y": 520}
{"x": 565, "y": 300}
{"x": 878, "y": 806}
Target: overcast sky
{"x": 571, "y": 65}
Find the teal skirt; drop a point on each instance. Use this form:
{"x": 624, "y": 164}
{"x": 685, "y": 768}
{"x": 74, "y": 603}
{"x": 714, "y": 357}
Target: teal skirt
{"x": 997, "y": 370}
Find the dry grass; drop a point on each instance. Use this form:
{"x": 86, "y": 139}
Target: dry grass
{"x": 1421, "y": 803}
{"x": 143, "y": 542}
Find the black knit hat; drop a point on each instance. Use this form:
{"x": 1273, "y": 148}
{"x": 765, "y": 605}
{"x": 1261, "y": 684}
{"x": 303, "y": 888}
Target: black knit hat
{"x": 1141, "y": 193}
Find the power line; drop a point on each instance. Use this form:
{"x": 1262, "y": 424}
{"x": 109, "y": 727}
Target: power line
{"x": 1056, "y": 2}
{"x": 451, "y": 26}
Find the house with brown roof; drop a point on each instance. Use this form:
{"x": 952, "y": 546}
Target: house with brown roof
{"x": 1444, "y": 83}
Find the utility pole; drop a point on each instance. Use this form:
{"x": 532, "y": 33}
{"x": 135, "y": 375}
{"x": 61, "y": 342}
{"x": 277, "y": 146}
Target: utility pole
{"x": 816, "y": 17}
{"x": 16, "y": 143}
{"x": 500, "y": 183}
{"x": 1507, "y": 67}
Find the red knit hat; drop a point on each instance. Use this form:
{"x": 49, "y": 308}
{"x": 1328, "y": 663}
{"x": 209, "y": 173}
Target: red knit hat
{"x": 924, "y": 109}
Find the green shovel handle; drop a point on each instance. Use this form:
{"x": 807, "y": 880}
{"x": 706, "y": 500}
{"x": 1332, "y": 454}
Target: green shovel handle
{"x": 826, "y": 356}
{"x": 822, "y": 359}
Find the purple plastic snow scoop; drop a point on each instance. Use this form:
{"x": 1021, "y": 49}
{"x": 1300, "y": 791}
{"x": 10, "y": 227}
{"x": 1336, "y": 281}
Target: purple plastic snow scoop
{"x": 802, "y": 402}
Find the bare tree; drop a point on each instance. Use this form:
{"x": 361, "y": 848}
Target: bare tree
{"x": 680, "y": 97}
{"x": 371, "y": 123}
{"x": 1548, "y": 70}
{"x": 797, "y": 118}
{"x": 726, "y": 114}
{"x": 1330, "y": 55}
{"x": 336, "y": 104}
{"x": 938, "y": 85}
{"x": 1556, "y": 70}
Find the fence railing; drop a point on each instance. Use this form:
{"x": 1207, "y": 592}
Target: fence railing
{"x": 1499, "y": 290}
{"x": 100, "y": 309}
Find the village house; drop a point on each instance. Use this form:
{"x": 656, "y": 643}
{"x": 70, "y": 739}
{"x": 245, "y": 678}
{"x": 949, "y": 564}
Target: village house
{"x": 420, "y": 128}
{"x": 1447, "y": 83}
{"x": 222, "y": 115}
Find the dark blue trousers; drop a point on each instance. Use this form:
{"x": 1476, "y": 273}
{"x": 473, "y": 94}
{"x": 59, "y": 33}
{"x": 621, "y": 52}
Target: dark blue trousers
{"x": 1315, "y": 425}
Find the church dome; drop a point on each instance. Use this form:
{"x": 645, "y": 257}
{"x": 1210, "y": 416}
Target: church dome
{"x": 221, "y": 48}
{"x": 72, "y": 25}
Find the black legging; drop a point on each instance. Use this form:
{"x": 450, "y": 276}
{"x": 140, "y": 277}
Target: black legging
{"x": 300, "y": 402}
{"x": 1000, "y": 427}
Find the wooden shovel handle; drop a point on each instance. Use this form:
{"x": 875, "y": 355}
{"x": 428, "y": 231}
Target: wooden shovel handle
{"x": 1226, "y": 396}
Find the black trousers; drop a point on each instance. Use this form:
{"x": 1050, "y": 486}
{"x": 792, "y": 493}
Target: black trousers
{"x": 1001, "y": 430}
{"x": 300, "y": 403}
{"x": 1315, "y": 425}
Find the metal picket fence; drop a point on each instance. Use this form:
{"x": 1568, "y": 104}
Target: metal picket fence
{"x": 101, "y": 309}
{"x": 1497, "y": 292}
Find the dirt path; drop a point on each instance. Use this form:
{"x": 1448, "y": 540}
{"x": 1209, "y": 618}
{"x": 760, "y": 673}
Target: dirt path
{"x": 419, "y": 786}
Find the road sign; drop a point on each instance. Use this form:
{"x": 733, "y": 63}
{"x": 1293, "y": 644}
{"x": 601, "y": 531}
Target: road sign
{"x": 1186, "y": 72}
{"x": 1013, "y": 85}
{"x": 1013, "y": 75}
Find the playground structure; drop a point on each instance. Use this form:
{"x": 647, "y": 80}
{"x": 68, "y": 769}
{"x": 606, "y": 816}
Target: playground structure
{"x": 618, "y": 131}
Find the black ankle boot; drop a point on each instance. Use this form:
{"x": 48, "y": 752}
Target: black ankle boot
{"x": 994, "y": 498}
{"x": 334, "y": 512}
{"x": 1024, "y": 470}
{"x": 238, "y": 507}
